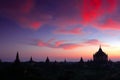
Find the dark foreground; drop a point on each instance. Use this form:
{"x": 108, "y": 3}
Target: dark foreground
{"x": 59, "y": 71}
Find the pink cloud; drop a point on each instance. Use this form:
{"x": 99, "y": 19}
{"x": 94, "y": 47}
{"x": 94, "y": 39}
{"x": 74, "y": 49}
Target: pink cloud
{"x": 41, "y": 43}
{"x": 35, "y": 25}
{"x": 20, "y": 12}
{"x": 91, "y": 9}
{"x": 95, "y": 42}
{"x": 112, "y": 4}
{"x": 94, "y": 9}
{"x": 58, "y": 43}
{"x": 95, "y": 13}
{"x": 69, "y": 46}
{"x": 90, "y": 12}
{"x": 69, "y": 31}
{"x": 109, "y": 24}
{"x": 28, "y": 23}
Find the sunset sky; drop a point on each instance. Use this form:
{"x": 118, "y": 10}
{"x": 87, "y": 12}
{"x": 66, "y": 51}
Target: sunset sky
{"x": 59, "y": 29}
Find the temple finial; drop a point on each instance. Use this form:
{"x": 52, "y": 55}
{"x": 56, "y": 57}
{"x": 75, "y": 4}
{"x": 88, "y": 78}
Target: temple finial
{"x": 100, "y": 49}
{"x": 100, "y": 45}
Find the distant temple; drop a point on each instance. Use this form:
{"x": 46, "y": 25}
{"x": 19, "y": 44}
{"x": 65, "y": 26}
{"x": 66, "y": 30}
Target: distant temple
{"x": 65, "y": 61}
{"x": 17, "y": 60}
{"x": 47, "y": 60}
{"x": 100, "y": 56}
{"x": 81, "y": 60}
{"x": 31, "y": 60}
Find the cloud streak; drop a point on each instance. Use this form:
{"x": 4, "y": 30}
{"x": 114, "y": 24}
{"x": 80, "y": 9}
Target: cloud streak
{"x": 95, "y": 42}
{"x": 73, "y": 31}
{"x": 69, "y": 46}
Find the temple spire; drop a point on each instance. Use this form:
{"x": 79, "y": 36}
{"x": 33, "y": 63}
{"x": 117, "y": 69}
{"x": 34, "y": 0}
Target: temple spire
{"x": 100, "y": 46}
{"x": 47, "y": 60}
{"x": 81, "y": 60}
{"x": 65, "y": 60}
{"x": 17, "y": 60}
{"x": 100, "y": 49}
{"x": 31, "y": 60}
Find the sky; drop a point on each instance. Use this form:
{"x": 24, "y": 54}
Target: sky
{"x": 59, "y": 29}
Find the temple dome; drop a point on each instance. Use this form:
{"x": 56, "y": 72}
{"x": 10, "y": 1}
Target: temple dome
{"x": 100, "y": 56}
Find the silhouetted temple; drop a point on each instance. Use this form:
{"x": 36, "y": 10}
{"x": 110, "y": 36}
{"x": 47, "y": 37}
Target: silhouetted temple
{"x": 17, "y": 60}
{"x": 81, "y": 60}
{"x": 31, "y": 60}
{"x": 100, "y": 56}
{"x": 65, "y": 61}
{"x": 47, "y": 60}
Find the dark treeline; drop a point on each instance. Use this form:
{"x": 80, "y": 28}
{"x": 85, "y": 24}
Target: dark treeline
{"x": 60, "y": 71}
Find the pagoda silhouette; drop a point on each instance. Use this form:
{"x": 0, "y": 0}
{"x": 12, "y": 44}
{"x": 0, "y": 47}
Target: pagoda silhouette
{"x": 31, "y": 60}
{"x": 47, "y": 60}
{"x": 100, "y": 56}
{"x": 81, "y": 60}
{"x": 17, "y": 60}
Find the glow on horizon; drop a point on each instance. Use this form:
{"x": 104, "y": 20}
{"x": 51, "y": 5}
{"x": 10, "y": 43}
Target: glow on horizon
{"x": 70, "y": 55}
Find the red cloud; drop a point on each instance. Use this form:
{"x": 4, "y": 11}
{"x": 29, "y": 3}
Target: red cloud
{"x": 70, "y": 31}
{"x": 112, "y": 4}
{"x": 68, "y": 46}
{"x": 94, "y": 9}
{"x": 26, "y": 23}
{"x": 58, "y": 43}
{"x": 20, "y": 11}
{"x": 41, "y": 43}
{"x": 96, "y": 12}
{"x": 35, "y": 25}
{"x": 108, "y": 25}
{"x": 36, "y": 14}
{"x": 91, "y": 9}
{"x": 94, "y": 42}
